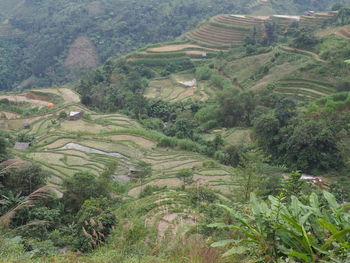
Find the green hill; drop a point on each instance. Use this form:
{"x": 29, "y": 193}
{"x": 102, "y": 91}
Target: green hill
{"x": 228, "y": 144}
{"x": 104, "y": 28}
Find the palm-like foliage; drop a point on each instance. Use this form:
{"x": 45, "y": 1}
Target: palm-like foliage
{"x": 29, "y": 200}
{"x": 273, "y": 231}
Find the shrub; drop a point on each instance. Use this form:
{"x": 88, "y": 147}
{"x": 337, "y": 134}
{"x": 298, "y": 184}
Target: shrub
{"x": 81, "y": 187}
{"x": 62, "y": 115}
{"x": 186, "y": 175}
{"x": 94, "y": 223}
{"x": 313, "y": 231}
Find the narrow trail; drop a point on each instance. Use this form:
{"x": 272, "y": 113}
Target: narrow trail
{"x": 316, "y": 56}
{"x": 234, "y": 82}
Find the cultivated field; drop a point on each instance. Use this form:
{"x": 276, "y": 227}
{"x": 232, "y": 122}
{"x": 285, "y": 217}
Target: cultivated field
{"x": 177, "y": 87}
{"x": 102, "y": 141}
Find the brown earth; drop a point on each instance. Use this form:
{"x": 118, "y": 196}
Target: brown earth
{"x": 82, "y": 54}
{"x": 171, "y": 48}
{"x": 343, "y": 31}
{"x": 35, "y": 96}
{"x": 23, "y": 98}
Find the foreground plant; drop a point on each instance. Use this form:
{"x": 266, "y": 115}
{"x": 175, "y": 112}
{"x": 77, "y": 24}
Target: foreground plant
{"x": 274, "y": 231}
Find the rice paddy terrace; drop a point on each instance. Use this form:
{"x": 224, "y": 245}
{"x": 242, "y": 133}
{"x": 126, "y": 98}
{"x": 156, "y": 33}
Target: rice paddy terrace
{"x": 178, "y": 87}
{"x": 228, "y": 30}
{"x": 216, "y": 36}
{"x": 304, "y": 90}
{"x": 97, "y": 142}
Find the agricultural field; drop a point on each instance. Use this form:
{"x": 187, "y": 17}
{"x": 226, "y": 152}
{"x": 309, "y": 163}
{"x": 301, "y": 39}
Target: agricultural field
{"x": 228, "y": 30}
{"x": 303, "y": 89}
{"x": 343, "y": 31}
{"x": 178, "y": 87}
{"x": 97, "y": 142}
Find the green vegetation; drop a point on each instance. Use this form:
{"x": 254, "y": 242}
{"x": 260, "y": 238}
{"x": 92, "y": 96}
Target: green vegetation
{"x": 232, "y": 148}
{"x": 304, "y": 231}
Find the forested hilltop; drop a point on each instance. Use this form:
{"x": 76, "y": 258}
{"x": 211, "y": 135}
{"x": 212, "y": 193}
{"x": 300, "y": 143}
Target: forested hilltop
{"x": 48, "y": 42}
{"x": 228, "y": 144}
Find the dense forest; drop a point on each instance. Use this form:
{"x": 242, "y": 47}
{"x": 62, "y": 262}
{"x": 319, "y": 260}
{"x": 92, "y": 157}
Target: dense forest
{"x": 184, "y": 151}
{"x": 36, "y": 36}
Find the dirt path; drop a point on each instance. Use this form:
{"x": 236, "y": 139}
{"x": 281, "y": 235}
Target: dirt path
{"x": 316, "y": 56}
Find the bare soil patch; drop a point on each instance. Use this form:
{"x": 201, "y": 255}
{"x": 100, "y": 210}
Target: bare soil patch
{"x": 343, "y": 31}
{"x": 36, "y": 96}
{"x": 23, "y": 98}
{"x": 175, "y": 224}
{"x": 171, "y": 48}
{"x": 82, "y": 54}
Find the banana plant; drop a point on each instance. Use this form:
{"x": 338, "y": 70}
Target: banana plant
{"x": 273, "y": 230}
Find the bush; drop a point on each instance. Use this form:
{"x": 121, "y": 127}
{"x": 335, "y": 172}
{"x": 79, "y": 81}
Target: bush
{"x": 63, "y": 115}
{"x": 40, "y": 248}
{"x": 94, "y": 223}
{"x": 201, "y": 194}
{"x": 25, "y": 137}
{"x": 153, "y": 124}
{"x": 25, "y": 180}
{"x": 186, "y": 175}
{"x": 203, "y": 73}
{"x": 81, "y": 187}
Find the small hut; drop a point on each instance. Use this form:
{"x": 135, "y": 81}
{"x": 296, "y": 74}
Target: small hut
{"x": 22, "y": 145}
{"x": 75, "y": 115}
{"x": 26, "y": 124}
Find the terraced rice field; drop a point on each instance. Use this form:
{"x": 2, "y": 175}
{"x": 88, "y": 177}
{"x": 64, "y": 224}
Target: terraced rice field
{"x": 172, "y": 89}
{"x": 179, "y": 47}
{"x": 24, "y": 98}
{"x": 68, "y": 95}
{"x": 246, "y": 67}
{"x": 343, "y": 32}
{"x": 92, "y": 145}
{"x": 304, "y": 90}
{"x": 228, "y": 30}
{"x": 169, "y": 212}
{"x": 218, "y": 36}
{"x": 316, "y": 20}
{"x": 9, "y": 115}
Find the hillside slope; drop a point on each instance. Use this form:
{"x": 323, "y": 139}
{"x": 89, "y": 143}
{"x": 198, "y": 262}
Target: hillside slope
{"x": 163, "y": 155}
{"x": 113, "y": 27}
